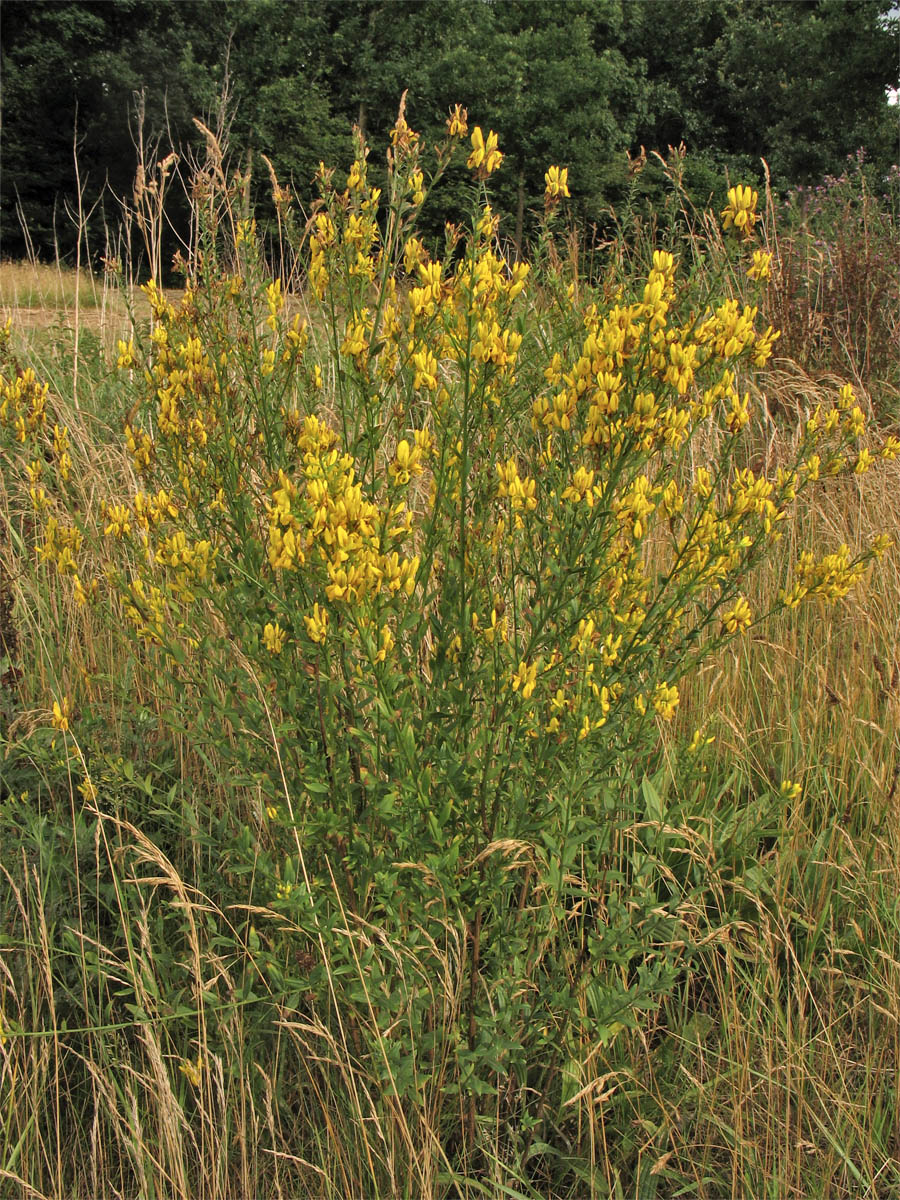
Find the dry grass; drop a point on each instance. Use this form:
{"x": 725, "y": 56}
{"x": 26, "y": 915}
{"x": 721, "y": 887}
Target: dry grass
{"x": 32, "y": 285}
{"x": 43, "y": 301}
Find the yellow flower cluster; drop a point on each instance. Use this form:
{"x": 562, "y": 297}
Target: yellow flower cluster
{"x": 738, "y": 618}
{"x": 274, "y": 637}
{"x": 409, "y": 460}
{"x": 60, "y": 545}
{"x": 149, "y": 612}
{"x": 761, "y": 267}
{"x": 831, "y": 577}
{"x": 125, "y": 358}
{"x": 457, "y": 122}
{"x": 521, "y": 492}
{"x": 556, "y": 180}
{"x": 23, "y": 404}
{"x": 320, "y": 518}
{"x": 741, "y": 210}
{"x": 485, "y": 156}
{"x": 62, "y": 711}
{"x": 591, "y": 396}
{"x": 530, "y": 515}
{"x": 322, "y": 237}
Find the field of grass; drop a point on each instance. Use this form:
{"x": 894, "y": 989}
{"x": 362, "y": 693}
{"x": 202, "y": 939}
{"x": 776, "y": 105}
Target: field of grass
{"x": 37, "y": 286}
{"x": 449, "y": 721}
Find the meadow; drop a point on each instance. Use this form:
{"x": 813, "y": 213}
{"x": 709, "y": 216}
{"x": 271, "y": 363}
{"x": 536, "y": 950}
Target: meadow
{"x": 449, "y": 703}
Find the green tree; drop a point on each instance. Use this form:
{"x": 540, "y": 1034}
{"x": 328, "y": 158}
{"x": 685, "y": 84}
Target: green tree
{"x": 806, "y": 82}
{"x": 280, "y": 86}
{"x": 547, "y": 88}
{"x": 70, "y": 76}
{"x": 801, "y": 84}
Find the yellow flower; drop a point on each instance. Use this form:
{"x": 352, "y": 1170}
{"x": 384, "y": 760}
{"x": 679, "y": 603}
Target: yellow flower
{"x": 855, "y": 421}
{"x": 761, "y": 268}
{"x": 417, "y": 187}
{"x": 88, "y": 791}
{"x": 125, "y": 360}
{"x": 739, "y": 618}
{"x": 119, "y": 521}
{"x": 386, "y": 644}
{"x": 741, "y": 210}
{"x": 521, "y": 492}
{"x": 739, "y": 414}
{"x": 581, "y": 488}
{"x": 84, "y": 594}
{"x": 192, "y": 1071}
{"x": 699, "y": 740}
{"x": 425, "y": 367}
{"x": 665, "y": 700}
{"x": 402, "y": 135}
{"x": 457, "y": 122}
{"x": 355, "y": 343}
{"x": 526, "y": 678}
{"x": 485, "y": 155}
{"x": 275, "y": 302}
{"x": 317, "y": 624}
{"x": 790, "y": 790}
{"x": 246, "y": 232}
{"x": 61, "y": 714}
{"x": 762, "y": 351}
{"x": 274, "y": 637}
{"x": 557, "y": 183}
{"x": 703, "y": 483}
{"x": 406, "y": 464}
{"x": 487, "y": 223}
{"x": 581, "y": 641}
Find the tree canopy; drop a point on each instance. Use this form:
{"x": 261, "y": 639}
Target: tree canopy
{"x": 575, "y": 83}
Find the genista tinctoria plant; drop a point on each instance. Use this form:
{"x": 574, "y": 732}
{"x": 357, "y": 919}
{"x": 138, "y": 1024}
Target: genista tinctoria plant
{"x": 426, "y": 553}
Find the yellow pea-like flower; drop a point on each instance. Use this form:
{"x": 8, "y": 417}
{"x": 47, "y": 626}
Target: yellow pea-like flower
{"x": 556, "y": 180}
{"x": 741, "y": 210}
{"x": 61, "y": 713}
{"x": 317, "y": 624}
{"x": 486, "y": 156}
{"x": 739, "y": 617}
{"x": 274, "y": 637}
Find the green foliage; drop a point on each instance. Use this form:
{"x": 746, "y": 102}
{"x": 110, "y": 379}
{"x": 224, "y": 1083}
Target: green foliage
{"x": 735, "y": 81}
{"x": 738, "y": 80}
{"x": 70, "y": 76}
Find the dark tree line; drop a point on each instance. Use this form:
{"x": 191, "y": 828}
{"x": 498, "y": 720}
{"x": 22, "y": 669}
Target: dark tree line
{"x": 575, "y": 82}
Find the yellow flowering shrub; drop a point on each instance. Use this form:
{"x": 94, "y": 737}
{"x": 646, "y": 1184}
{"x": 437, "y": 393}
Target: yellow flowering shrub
{"x": 440, "y": 547}
{"x": 482, "y": 503}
